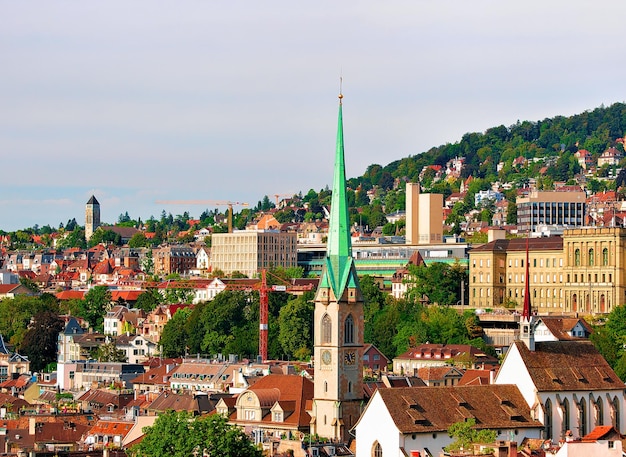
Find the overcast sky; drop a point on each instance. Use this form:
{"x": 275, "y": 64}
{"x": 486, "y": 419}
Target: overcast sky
{"x": 138, "y": 101}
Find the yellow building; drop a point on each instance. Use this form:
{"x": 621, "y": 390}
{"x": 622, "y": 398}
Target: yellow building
{"x": 581, "y": 272}
{"x": 248, "y": 251}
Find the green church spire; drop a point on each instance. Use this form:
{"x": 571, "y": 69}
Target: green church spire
{"x": 339, "y": 271}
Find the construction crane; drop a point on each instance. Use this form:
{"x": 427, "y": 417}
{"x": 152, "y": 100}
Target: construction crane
{"x": 264, "y": 291}
{"x": 277, "y": 196}
{"x": 229, "y": 204}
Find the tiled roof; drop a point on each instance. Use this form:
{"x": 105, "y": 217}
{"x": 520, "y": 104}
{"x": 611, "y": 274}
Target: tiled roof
{"x": 567, "y": 366}
{"x": 111, "y": 428}
{"x": 435, "y": 409}
{"x": 551, "y": 243}
{"x": 438, "y": 373}
{"x": 601, "y": 432}
{"x": 445, "y": 352}
{"x": 560, "y": 326}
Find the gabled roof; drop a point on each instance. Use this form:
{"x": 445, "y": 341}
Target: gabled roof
{"x": 561, "y": 326}
{"x": 568, "y": 366}
{"x": 602, "y": 432}
{"x": 111, "y": 428}
{"x": 435, "y": 409}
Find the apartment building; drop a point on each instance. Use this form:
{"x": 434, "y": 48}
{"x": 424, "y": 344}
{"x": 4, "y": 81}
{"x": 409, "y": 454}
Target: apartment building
{"x": 248, "y": 251}
{"x": 583, "y": 271}
{"x": 173, "y": 259}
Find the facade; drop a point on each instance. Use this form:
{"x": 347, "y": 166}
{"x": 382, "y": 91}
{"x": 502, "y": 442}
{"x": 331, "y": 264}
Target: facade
{"x": 92, "y": 217}
{"x": 415, "y": 420}
{"x": 567, "y": 384}
{"x": 584, "y": 271}
{"x": 424, "y": 216}
{"x": 250, "y": 251}
{"x": 338, "y": 321}
{"x": 437, "y": 355}
{"x": 551, "y": 208}
{"x": 173, "y": 259}
{"x": 11, "y": 363}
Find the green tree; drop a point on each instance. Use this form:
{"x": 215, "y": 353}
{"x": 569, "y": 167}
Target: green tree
{"x": 175, "y": 336}
{"x": 296, "y": 327}
{"x": 465, "y": 434}
{"x": 438, "y": 282}
{"x": 108, "y": 352}
{"x": 138, "y": 240}
{"x": 149, "y": 299}
{"x": 41, "y": 338}
{"x": 94, "y": 305}
{"x": 179, "y": 434}
{"x": 16, "y": 314}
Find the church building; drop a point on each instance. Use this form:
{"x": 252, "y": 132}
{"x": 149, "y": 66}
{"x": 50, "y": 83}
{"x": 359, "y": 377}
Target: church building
{"x": 338, "y": 321}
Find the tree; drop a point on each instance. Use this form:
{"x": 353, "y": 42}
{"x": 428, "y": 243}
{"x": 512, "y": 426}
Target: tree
{"x": 149, "y": 299}
{"x": 94, "y": 306}
{"x": 16, "y": 314}
{"x": 296, "y": 327}
{"x": 179, "y": 434}
{"x": 40, "y": 340}
{"x": 465, "y": 434}
{"x": 439, "y": 282}
{"x": 138, "y": 240}
{"x": 108, "y": 352}
{"x": 174, "y": 337}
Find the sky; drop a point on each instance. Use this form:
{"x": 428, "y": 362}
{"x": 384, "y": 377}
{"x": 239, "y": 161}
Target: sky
{"x": 145, "y": 100}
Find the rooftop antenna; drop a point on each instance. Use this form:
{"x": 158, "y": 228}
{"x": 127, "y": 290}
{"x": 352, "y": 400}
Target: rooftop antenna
{"x": 340, "y": 88}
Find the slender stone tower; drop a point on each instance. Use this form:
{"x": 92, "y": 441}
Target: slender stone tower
{"x": 338, "y": 321}
{"x": 92, "y": 217}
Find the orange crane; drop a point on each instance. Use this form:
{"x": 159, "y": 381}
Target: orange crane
{"x": 229, "y": 204}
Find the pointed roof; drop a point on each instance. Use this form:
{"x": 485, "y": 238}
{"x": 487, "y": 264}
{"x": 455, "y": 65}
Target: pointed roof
{"x": 93, "y": 201}
{"x": 339, "y": 271}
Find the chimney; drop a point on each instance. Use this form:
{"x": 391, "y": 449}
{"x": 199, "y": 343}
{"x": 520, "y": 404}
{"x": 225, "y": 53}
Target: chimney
{"x": 495, "y": 234}
{"x": 512, "y": 449}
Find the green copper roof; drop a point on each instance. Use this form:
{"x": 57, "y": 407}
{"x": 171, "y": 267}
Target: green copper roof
{"x": 339, "y": 270}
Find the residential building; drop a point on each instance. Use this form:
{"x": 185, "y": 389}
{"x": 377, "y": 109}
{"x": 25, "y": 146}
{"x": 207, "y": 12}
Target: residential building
{"x": 173, "y": 259}
{"x": 276, "y": 405}
{"x": 11, "y": 363}
{"x": 611, "y": 157}
{"x": 563, "y": 208}
{"x": 250, "y": 251}
{"x": 374, "y": 361}
{"x": 435, "y": 355}
{"x": 137, "y": 348}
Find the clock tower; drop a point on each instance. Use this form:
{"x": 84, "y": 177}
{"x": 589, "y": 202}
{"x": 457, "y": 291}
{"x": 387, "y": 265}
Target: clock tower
{"x": 338, "y": 320}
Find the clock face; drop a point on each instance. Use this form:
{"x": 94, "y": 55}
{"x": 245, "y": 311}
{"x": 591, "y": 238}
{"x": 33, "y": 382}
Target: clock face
{"x": 326, "y": 357}
{"x": 349, "y": 358}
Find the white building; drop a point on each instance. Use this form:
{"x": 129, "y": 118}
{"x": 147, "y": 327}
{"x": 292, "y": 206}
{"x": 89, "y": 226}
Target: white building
{"x": 406, "y": 420}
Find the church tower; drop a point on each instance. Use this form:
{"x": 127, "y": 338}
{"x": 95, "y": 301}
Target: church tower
{"x": 92, "y": 217}
{"x": 527, "y": 324}
{"x": 338, "y": 320}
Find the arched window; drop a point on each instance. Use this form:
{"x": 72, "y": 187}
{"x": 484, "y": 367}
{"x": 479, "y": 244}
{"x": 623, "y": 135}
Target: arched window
{"x": 591, "y": 258}
{"x": 348, "y": 330}
{"x": 577, "y": 257}
{"x": 327, "y": 329}
{"x": 377, "y": 450}
{"x": 582, "y": 417}
{"x": 565, "y": 410}
{"x": 599, "y": 412}
{"x": 548, "y": 420}
{"x": 605, "y": 257}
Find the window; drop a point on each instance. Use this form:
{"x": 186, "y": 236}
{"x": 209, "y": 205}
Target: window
{"x": 577, "y": 257}
{"x": 582, "y": 417}
{"x": 565, "y": 409}
{"x": 348, "y": 330}
{"x": 548, "y": 420}
{"x": 605, "y": 257}
{"x": 616, "y": 414}
{"x": 327, "y": 328}
{"x": 599, "y": 412}
{"x": 591, "y": 258}
{"x": 377, "y": 450}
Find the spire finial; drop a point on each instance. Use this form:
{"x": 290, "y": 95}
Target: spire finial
{"x": 340, "y": 88}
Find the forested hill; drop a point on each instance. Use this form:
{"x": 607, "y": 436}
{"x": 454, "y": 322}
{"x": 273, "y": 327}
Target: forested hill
{"x": 560, "y": 136}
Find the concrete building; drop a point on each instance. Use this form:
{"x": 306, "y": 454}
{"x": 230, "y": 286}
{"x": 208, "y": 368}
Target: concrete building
{"x": 563, "y": 208}
{"x": 424, "y": 216}
{"x": 92, "y": 217}
{"x": 249, "y": 251}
